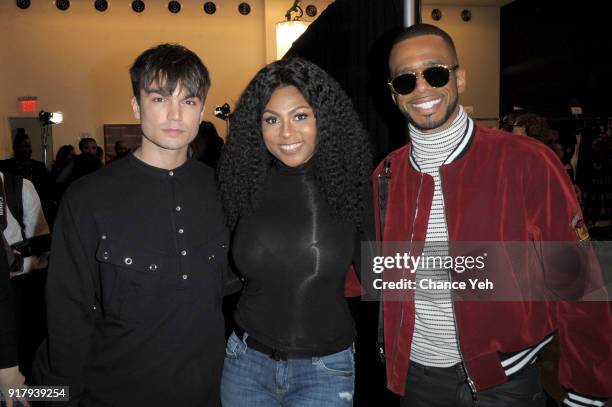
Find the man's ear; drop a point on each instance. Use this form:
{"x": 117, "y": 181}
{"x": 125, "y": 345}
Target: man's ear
{"x": 460, "y": 80}
{"x": 135, "y": 108}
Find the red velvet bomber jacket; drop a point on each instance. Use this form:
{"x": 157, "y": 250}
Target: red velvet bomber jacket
{"x": 501, "y": 188}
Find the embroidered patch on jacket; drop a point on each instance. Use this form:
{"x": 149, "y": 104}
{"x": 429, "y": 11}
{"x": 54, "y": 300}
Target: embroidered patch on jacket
{"x": 580, "y": 228}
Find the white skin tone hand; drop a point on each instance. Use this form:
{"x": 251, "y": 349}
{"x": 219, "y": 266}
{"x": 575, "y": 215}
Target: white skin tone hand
{"x": 12, "y": 377}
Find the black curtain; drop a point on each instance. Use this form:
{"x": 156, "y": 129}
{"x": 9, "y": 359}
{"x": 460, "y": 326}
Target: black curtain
{"x": 351, "y": 40}
{"x": 555, "y": 56}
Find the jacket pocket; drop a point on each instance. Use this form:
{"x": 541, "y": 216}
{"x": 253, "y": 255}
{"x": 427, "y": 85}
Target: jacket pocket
{"x": 137, "y": 279}
{"x": 126, "y": 256}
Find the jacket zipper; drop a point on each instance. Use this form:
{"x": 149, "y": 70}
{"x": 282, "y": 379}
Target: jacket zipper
{"x": 401, "y": 321}
{"x": 469, "y": 380}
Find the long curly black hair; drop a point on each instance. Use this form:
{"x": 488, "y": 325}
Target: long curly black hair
{"x": 342, "y": 162}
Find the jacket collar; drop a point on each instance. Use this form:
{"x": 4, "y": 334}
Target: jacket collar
{"x": 459, "y": 151}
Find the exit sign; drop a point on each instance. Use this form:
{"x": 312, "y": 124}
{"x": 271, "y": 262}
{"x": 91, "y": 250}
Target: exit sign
{"x": 28, "y": 104}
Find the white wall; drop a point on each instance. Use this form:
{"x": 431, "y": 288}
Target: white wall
{"x": 477, "y": 43}
{"x": 77, "y": 61}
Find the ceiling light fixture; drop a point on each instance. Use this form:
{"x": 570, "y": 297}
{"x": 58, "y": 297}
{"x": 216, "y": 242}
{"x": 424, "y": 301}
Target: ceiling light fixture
{"x": 210, "y": 7}
{"x": 101, "y": 5}
{"x": 62, "y": 5}
{"x": 290, "y": 30}
{"x": 244, "y": 8}
{"x": 311, "y": 10}
{"x": 466, "y": 15}
{"x": 138, "y": 6}
{"x": 174, "y": 6}
{"x": 23, "y": 4}
{"x": 436, "y": 14}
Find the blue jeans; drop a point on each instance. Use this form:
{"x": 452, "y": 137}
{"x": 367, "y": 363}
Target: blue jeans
{"x": 251, "y": 378}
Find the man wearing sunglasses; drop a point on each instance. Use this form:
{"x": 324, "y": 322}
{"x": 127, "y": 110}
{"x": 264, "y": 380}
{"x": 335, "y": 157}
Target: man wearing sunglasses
{"x": 457, "y": 182}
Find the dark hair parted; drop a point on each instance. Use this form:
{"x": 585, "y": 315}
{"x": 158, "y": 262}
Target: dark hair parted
{"x": 166, "y": 66}
{"x": 341, "y": 163}
{"x": 419, "y": 30}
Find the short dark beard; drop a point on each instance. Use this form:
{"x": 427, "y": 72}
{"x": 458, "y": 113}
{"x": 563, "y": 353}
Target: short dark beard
{"x": 434, "y": 125}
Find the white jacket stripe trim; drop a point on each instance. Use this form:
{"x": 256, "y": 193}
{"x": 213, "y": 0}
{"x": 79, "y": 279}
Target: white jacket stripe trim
{"x": 583, "y": 400}
{"x": 528, "y": 357}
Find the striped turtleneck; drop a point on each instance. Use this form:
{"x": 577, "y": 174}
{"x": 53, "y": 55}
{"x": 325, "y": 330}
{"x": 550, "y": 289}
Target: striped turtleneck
{"x": 431, "y": 150}
{"x": 434, "y": 341}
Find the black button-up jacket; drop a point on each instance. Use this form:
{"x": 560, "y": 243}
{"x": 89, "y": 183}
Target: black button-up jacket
{"x": 135, "y": 287}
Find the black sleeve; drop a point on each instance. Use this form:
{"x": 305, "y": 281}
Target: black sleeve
{"x": 8, "y": 330}
{"x": 71, "y": 301}
{"x": 232, "y": 280}
{"x": 365, "y": 246}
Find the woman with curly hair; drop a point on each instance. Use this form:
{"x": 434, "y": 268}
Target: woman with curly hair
{"x": 294, "y": 181}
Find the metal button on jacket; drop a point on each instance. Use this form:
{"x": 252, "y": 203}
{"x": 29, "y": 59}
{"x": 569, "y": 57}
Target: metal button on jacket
{"x": 178, "y": 208}
{"x": 128, "y": 260}
{"x": 153, "y": 267}
{"x": 183, "y": 252}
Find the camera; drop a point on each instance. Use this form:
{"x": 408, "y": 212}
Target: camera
{"x": 34, "y": 246}
{"x": 223, "y": 112}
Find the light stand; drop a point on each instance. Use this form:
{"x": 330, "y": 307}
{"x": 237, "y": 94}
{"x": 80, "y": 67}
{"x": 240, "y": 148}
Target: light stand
{"x": 47, "y": 119}
{"x": 223, "y": 112}
{"x": 45, "y": 132}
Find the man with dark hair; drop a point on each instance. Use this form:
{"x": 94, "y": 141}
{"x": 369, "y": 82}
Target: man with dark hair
{"x": 23, "y": 165}
{"x": 135, "y": 281}
{"x": 88, "y": 145}
{"x": 82, "y": 164}
{"x": 156, "y": 70}
{"x": 457, "y": 182}
{"x": 121, "y": 149}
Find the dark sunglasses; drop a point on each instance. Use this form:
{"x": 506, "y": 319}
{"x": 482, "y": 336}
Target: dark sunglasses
{"x": 436, "y": 76}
